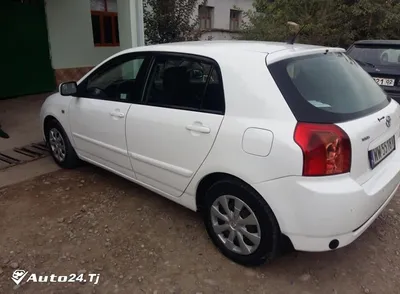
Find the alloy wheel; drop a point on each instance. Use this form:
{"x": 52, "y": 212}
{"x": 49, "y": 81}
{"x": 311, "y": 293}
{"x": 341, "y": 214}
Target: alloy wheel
{"x": 235, "y": 224}
{"x": 57, "y": 144}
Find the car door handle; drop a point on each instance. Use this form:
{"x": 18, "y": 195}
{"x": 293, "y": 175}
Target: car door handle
{"x": 117, "y": 114}
{"x": 198, "y": 128}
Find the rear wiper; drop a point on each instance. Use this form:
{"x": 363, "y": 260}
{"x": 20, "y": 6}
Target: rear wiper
{"x": 366, "y": 63}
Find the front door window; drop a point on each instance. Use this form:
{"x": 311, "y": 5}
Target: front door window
{"x": 117, "y": 82}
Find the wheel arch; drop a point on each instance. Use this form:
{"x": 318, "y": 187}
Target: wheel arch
{"x": 210, "y": 179}
{"x": 49, "y": 118}
{"x": 55, "y": 107}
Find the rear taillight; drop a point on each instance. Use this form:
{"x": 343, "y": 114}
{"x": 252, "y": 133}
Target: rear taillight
{"x": 326, "y": 149}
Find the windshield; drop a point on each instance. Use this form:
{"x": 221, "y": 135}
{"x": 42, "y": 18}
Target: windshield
{"x": 327, "y": 88}
{"x": 381, "y": 56}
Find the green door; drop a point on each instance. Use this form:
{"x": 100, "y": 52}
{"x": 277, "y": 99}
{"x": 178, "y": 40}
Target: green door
{"x": 26, "y": 65}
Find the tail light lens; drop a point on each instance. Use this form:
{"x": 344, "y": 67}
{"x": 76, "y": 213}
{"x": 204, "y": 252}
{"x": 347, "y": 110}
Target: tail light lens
{"x": 326, "y": 149}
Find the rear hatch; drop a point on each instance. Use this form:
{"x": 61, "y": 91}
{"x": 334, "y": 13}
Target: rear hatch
{"x": 373, "y": 139}
{"x": 382, "y": 62}
{"x": 331, "y": 88}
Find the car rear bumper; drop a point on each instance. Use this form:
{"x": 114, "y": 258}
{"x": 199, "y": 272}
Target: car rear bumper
{"x": 310, "y": 243}
{"x": 313, "y": 212}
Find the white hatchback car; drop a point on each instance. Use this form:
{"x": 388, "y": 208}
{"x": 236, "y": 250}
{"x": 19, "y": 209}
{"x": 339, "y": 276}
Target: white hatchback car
{"x": 269, "y": 141}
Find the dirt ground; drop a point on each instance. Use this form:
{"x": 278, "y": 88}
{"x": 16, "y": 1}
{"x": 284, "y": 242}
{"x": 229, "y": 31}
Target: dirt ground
{"x": 90, "y": 221}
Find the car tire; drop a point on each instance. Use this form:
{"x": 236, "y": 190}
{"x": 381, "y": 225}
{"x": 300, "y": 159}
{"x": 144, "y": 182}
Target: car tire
{"x": 265, "y": 228}
{"x": 58, "y": 140}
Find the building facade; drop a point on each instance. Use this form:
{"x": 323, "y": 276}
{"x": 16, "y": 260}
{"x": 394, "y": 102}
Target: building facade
{"x": 221, "y": 19}
{"x": 51, "y": 41}
{"x": 82, "y": 33}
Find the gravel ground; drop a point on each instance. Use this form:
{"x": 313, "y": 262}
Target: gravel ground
{"x": 90, "y": 221}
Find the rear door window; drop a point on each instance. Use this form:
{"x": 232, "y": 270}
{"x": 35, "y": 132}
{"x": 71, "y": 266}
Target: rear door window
{"x": 327, "y": 88}
{"x": 186, "y": 83}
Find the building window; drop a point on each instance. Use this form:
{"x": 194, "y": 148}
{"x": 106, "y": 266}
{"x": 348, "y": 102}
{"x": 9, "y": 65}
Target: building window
{"x": 105, "y": 22}
{"x": 235, "y": 17}
{"x": 206, "y": 17}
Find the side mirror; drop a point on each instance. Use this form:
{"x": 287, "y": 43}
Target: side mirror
{"x": 68, "y": 88}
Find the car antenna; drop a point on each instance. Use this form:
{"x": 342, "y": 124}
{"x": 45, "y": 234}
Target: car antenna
{"x": 296, "y": 29}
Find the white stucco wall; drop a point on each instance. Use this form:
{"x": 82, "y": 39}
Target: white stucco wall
{"x": 129, "y": 31}
{"x": 222, "y": 10}
{"x": 70, "y": 29}
{"x": 70, "y": 35}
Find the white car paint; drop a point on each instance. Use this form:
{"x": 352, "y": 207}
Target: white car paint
{"x": 103, "y": 139}
{"x": 367, "y": 126}
{"x": 172, "y": 169}
{"x": 158, "y": 149}
{"x": 257, "y": 141}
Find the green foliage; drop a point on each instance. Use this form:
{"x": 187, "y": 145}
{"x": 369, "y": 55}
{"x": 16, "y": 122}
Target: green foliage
{"x": 326, "y": 22}
{"x": 168, "y": 21}
{"x": 376, "y": 19}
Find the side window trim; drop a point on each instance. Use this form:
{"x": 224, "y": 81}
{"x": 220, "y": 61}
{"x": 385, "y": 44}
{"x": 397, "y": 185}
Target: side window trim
{"x": 206, "y": 86}
{"x": 142, "y": 75}
{"x": 146, "y": 77}
{"x": 149, "y": 79}
{"x": 152, "y": 71}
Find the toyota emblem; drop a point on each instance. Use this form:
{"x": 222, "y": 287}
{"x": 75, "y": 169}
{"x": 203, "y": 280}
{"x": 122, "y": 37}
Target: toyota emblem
{"x": 388, "y": 121}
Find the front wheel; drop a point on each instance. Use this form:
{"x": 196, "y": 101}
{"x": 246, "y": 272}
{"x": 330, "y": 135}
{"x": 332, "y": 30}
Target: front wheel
{"x": 60, "y": 147}
{"x": 241, "y": 224}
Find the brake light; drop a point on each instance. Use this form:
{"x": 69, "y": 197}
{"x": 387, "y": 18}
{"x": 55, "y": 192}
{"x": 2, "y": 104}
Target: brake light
{"x": 326, "y": 149}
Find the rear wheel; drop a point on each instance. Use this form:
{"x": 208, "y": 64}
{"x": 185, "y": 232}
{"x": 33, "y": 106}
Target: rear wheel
{"x": 241, "y": 224}
{"x": 60, "y": 147}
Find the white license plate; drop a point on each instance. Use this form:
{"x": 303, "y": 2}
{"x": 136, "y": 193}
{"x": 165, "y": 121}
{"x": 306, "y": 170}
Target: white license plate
{"x": 378, "y": 154}
{"x": 384, "y": 82}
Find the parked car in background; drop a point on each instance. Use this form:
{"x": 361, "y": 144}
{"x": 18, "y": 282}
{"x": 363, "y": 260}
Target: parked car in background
{"x": 269, "y": 141}
{"x": 381, "y": 59}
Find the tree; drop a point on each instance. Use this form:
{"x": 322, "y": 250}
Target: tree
{"x": 326, "y": 22}
{"x": 376, "y": 19}
{"x": 168, "y": 21}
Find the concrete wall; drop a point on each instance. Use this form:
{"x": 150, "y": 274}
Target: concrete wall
{"x": 70, "y": 35}
{"x": 218, "y": 35}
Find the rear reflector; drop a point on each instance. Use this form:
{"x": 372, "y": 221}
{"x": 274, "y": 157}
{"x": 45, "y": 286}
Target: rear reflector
{"x": 326, "y": 149}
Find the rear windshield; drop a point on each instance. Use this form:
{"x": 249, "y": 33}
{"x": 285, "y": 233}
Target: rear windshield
{"x": 327, "y": 88}
{"x": 376, "y": 55}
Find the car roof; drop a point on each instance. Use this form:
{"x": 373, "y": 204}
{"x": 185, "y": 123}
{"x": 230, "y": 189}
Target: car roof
{"x": 377, "y": 42}
{"x": 210, "y": 48}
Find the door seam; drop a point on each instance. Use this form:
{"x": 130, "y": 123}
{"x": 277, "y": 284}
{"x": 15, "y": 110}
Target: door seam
{"x": 208, "y": 153}
{"x": 126, "y": 141}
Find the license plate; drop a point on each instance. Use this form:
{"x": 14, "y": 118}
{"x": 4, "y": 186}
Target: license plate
{"x": 378, "y": 154}
{"x": 384, "y": 82}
